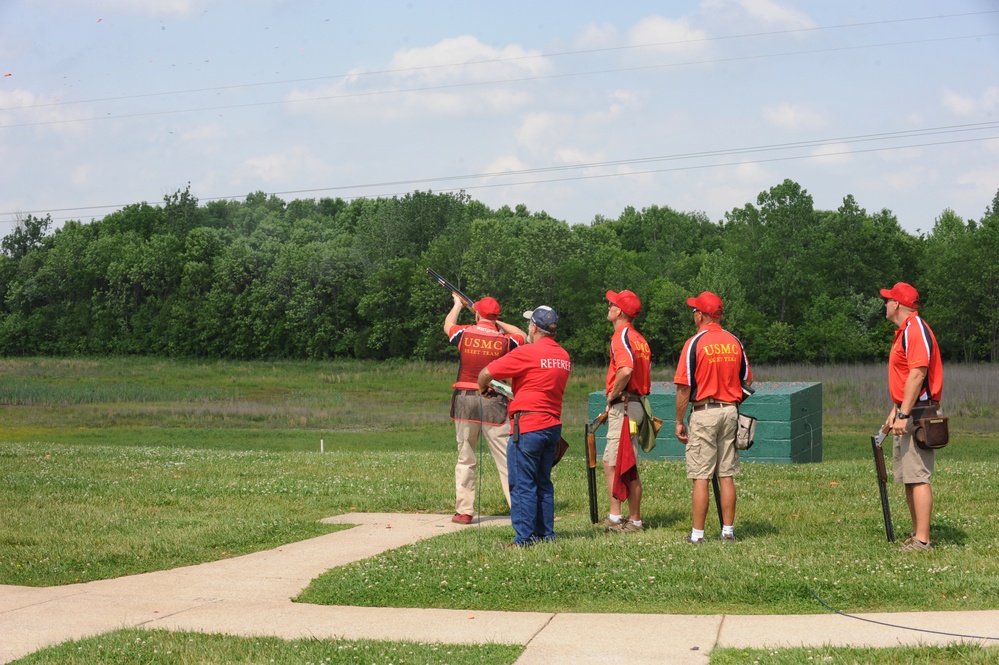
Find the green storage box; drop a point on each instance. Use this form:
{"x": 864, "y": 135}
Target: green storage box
{"x": 788, "y": 422}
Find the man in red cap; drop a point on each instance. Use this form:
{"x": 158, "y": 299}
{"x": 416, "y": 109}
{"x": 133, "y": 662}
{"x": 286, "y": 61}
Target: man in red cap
{"x": 712, "y": 370}
{"x": 628, "y": 379}
{"x": 474, "y": 414}
{"x": 915, "y": 385}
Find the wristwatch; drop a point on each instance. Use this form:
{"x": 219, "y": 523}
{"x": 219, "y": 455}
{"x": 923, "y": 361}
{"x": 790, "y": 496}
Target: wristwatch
{"x": 901, "y": 415}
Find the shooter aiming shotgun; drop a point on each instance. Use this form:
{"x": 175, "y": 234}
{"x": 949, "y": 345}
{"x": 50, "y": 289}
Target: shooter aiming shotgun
{"x": 591, "y": 463}
{"x": 879, "y": 467}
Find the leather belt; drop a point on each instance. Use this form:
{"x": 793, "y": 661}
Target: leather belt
{"x": 626, "y": 397}
{"x": 710, "y": 405}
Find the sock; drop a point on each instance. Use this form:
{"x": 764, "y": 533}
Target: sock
{"x": 728, "y": 530}
{"x": 697, "y": 534}
{"x": 614, "y": 518}
{"x": 636, "y": 522}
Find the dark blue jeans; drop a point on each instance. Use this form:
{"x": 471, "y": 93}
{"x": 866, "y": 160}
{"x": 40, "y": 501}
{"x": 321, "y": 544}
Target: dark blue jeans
{"x": 532, "y": 495}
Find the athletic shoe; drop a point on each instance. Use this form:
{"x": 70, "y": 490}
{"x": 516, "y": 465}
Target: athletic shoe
{"x": 508, "y": 545}
{"x": 461, "y": 519}
{"x": 626, "y": 526}
{"x": 607, "y": 522}
{"x": 914, "y": 545}
{"x": 692, "y": 541}
{"x": 728, "y": 538}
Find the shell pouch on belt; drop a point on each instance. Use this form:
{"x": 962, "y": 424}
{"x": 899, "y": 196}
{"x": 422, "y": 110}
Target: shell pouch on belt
{"x": 745, "y": 432}
{"x": 931, "y": 433}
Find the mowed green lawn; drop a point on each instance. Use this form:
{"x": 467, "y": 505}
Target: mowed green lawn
{"x": 117, "y": 466}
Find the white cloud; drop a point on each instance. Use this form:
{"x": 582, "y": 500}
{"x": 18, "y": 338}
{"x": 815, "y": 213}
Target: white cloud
{"x": 181, "y": 8}
{"x": 776, "y": 14}
{"x": 81, "y": 175}
{"x": 833, "y": 153}
{"x": 966, "y": 106}
{"x": 795, "y": 117}
{"x": 667, "y": 34}
{"x": 465, "y": 58}
{"x": 456, "y": 65}
{"x": 281, "y": 167}
{"x": 594, "y": 36}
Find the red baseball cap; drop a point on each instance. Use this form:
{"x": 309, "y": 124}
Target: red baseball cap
{"x": 905, "y": 294}
{"x": 487, "y": 308}
{"x": 627, "y": 301}
{"x": 707, "y": 303}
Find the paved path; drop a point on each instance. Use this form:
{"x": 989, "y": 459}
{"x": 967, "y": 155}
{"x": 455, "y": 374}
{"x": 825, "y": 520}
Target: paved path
{"x": 249, "y": 595}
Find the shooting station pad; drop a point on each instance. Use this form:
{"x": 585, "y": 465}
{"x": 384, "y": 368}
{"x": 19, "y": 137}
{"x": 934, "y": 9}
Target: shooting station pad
{"x": 788, "y": 425}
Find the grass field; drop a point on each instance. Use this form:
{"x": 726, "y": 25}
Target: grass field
{"x": 118, "y": 466}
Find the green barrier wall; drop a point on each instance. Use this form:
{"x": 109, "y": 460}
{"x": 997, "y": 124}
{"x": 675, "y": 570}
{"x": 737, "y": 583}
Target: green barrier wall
{"x": 788, "y": 427}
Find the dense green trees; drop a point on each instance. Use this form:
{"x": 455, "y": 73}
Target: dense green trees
{"x": 264, "y": 278}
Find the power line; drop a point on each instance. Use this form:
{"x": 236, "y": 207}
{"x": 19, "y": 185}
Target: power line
{"x": 885, "y": 136}
{"x": 469, "y": 84}
{"x": 502, "y": 60}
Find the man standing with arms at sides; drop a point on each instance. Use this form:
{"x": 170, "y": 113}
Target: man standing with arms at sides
{"x": 472, "y": 413}
{"x": 915, "y": 385}
{"x": 628, "y": 379}
{"x": 539, "y": 371}
{"x": 712, "y": 370}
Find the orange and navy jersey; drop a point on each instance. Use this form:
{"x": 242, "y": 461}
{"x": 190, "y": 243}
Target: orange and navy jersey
{"x": 714, "y": 365}
{"x": 629, "y": 349}
{"x": 915, "y": 346}
{"x": 478, "y": 345}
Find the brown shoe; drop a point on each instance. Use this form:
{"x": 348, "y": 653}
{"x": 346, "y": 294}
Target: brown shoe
{"x": 688, "y": 539}
{"x": 626, "y": 526}
{"x": 913, "y": 545}
{"x": 607, "y": 522}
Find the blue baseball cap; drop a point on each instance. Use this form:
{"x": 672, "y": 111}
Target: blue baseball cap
{"x": 544, "y": 317}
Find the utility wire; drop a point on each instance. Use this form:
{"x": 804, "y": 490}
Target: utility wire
{"x": 471, "y": 84}
{"x": 404, "y": 70}
{"x": 905, "y": 134}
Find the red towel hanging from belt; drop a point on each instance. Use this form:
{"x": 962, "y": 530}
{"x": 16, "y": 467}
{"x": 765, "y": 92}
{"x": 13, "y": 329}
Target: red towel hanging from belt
{"x": 625, "y": 469}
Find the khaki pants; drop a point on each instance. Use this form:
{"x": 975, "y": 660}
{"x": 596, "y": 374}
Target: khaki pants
{"x": 467, "y": 434}
{"x": 711, "y": 443}
{"x": 615, "y": 423}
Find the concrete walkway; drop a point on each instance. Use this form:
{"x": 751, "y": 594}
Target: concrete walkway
{"x": 249, "y": 595}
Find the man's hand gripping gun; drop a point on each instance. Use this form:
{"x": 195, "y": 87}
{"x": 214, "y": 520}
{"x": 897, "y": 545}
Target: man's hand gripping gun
{"x": 591, "y": 463}
{"x": 879, "y": 466}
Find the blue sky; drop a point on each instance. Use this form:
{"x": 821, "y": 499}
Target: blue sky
{"x": 576, "y": 108}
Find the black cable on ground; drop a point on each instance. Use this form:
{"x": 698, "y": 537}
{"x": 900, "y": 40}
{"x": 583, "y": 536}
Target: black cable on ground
{"x": 893, "y": 625}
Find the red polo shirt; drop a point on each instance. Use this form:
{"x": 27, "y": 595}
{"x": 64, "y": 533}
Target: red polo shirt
{"x": 539, "y": 372}
{"x": 629, "y": 349}
{"x": 714, "y": 365}
{"x": 914, "y": 346}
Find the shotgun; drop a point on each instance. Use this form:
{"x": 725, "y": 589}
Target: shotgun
{"x": 879, "y": 467}
{"x": 591, "y": 463}
{"x": 465, "y": 300}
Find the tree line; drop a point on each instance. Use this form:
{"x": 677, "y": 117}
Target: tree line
{"x": 267, "y": 279}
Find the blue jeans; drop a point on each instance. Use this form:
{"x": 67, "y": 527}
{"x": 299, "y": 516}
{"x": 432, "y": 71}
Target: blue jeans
{"x": 532, "y": 495}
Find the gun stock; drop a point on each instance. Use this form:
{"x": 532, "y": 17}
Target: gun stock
{"x": 882, "y": 473}
{"x": 591, "y": 463}
{"x": 465, "y": 300}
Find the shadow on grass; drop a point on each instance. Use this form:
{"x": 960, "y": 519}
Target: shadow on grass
{"x": 755, "y": 528}
{"x": 949, "y": 535}
{"x": 661, "y": 520}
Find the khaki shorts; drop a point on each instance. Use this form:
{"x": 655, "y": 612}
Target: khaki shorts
{"x": 711, "y": 443}
{"x": 910, "y": 463}
{"x": 615, "y": 420}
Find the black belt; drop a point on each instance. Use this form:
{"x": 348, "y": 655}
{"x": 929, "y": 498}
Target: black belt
{"x": 626, "y": 397}
{"x": 711, "y": 405}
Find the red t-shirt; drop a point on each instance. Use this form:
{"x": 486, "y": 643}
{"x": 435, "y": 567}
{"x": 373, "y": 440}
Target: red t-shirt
{"x": 714, "y": 365}
{"x": 914, "y": 346}
{"x": 478, "y": 345}
{"x": 539, "y": 372}
{"x": 629, "y": 349}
